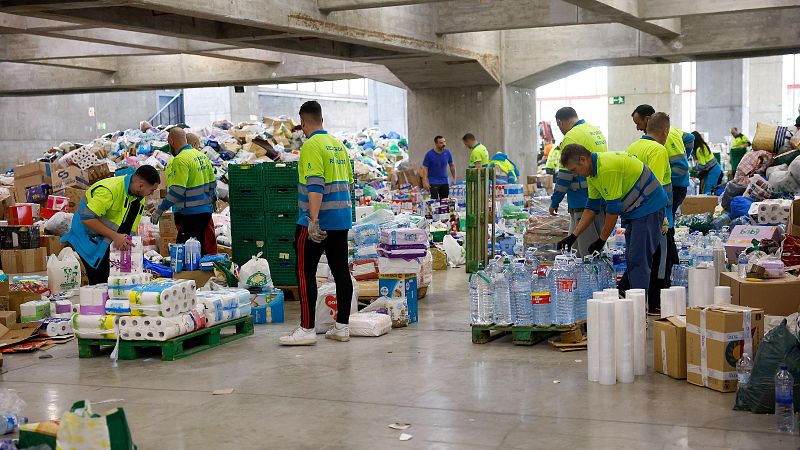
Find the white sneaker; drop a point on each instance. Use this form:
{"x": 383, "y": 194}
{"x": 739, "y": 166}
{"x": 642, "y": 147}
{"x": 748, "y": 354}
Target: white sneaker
{"x": 339, "y": 333}
{"x": 300, "y": 336}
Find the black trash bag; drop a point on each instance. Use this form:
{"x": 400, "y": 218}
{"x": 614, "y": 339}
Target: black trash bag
{"x": 779, "y": 346}
{"x": 732, "y": 190}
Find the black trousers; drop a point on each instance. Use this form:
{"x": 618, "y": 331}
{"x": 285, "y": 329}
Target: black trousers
{"x": 100, "y": 274}
{"x": 193, "y": 226}
{"x": 440, "y": 191}
{"x": 678, "y": 196}
{"x": 308, "y": 256}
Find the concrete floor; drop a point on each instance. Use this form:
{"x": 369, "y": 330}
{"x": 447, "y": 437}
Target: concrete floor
{"x": 343, "y": 395}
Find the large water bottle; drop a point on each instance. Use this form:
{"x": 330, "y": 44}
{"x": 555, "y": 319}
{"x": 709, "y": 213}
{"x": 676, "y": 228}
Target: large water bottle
{"x": 584, "y": 291}
{"x": 680, "y": 275}
{"x": 521, "y": 295}
{"x": 784, "y": 400}
{"x": 9, "y": 423}
{"x": 606, "y": 274}
{"x": 481, "y": 297}
{"x": 742, "y": 265}
{"x": 191, "y": 255}
{"x": 502, "y": 300}
{"x": 563, "y": 289}
{"x": 541, "y": 299}
{"x": 744, "y": 367}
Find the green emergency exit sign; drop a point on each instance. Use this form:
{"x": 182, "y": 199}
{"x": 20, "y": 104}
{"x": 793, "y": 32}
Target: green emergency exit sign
{"x": 616, "y": 100}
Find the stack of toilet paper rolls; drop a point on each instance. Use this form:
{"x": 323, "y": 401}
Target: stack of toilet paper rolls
{"x": 93, "y": 300}
{"x": 163, "y": 298}
{"x": 616, "y": 331}
{"x": 150, "y": 328}
{"x": 55, "y": 326}
{"x": 771, "y": 211}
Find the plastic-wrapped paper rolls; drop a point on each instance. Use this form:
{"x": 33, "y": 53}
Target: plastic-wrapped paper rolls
{"x": 34, "y": 310}
{"x": 53, "y": 327}
{"x": 213, "y": 309}
{"x": 94, "y": 327}
{"x": 668, "y": 300}
{"x": 93, "y": 299}
{"x": 592, "y": 312}
{"x": 623, "y": 339}
{"x": 701, "y": 286}
{"x": 639, "y": 300}
{"x": 722, "y": 294}
{"x": 62, "y": 306}
{"x": 680, "y": 300}
{"x": 116, "y": 306}
{"x": 605, "y": 340}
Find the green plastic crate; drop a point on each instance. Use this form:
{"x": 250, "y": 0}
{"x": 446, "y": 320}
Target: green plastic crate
{"x": 245, "y": 248}
{"x": 281, "y": 199}
{"x": 248, "y": 201}
{"x": 281, "y": 174}
{"x": 280, "y": 248}
{"x": 282, "y": 223}
{"x": 284, "y": 273}
{"x": 245, "y": 175}
{"x": 244, "y": 228}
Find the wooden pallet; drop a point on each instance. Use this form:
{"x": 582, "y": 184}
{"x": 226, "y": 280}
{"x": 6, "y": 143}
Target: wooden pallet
{"x": 172, "y": 349}
{"x": 521, "y": 335}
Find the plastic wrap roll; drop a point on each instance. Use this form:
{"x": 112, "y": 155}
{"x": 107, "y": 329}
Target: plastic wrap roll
{"x": 639, "y": 332}
{"x": 667, "y": 303}
{"x": 614, "y": 293}
{"x": 599, "y": 295}
{"x": 701, "y": 286}
{"x": 637, "y": 291}
{"x": 623, "y": 340}
{"x": 722, "y": 294}
{"x": 605, "y": 340}
{"x": 593, "y": 361}
{"x": 680, "y": 300}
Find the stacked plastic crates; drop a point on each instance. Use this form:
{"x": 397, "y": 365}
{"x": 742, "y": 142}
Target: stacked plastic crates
{"x": 281, "y": 210}
{"x": 247, "y": 187}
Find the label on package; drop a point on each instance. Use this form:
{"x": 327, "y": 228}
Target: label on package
{"x": 540, "y": 298}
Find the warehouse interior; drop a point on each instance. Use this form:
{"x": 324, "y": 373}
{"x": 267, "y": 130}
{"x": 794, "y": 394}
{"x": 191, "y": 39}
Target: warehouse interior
{"x": 74, "y": 71}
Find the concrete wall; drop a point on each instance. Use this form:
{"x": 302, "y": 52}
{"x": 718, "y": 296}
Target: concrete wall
{"x": 387, "y": 107}
{"x": 341, "y": 114}
{"x": 721, "y": 93}
{"x": 520, "y": 129}
{"x": 31, "y": 125}
{"x": 765, "y": 99}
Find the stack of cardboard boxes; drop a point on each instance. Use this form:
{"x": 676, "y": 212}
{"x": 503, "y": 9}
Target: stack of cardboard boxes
{"x": 535, "y": 182}
{"x": 168, "y": 232}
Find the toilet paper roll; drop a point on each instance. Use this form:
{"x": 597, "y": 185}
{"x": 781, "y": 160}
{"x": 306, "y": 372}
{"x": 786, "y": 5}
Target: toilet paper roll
{"x": 722, "y": 294}
{"x": 667, "y": 303}
{"x": 89, "y": 323}
{"x": 680, "y": 300}
{"x": 639, "y": 332}
{"x": 605, "y": 339}
{"x": 701, "y": 286}
{"x": 63, "y": 306}
{"x": 623, "y": 340}
{"x": 50, "y": 329}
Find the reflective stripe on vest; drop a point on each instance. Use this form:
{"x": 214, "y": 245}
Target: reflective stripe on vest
{"x": 644, "y": 187}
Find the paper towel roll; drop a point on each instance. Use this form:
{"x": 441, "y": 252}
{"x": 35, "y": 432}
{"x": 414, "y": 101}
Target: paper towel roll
{"x": 701, "y": 286}
{"x": 105, "y": 322}
{"x": 605, "y": 340}
{"x": 722, "y": 294}
{"x": 592, "y": 318}
{"x": 667, "y": 303}
{"x": 623, "y": 340}
{"x": 639, "y": 332}
{"x": 680, "y": 300}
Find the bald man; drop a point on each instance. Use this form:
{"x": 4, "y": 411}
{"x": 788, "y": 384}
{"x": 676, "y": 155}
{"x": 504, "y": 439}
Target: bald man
{"x": 193, "y": 140}
{"x": 191, "y": 190}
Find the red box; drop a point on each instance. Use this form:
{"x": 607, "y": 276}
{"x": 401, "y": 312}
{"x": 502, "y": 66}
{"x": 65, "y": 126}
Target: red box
{"x": 46, "y": 213}
{"x": 57, "y": 203}
{"x": 20, "y": 215}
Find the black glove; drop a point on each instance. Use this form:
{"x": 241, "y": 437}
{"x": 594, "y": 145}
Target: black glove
{"x": 702, "y": 173}
{"x": 597, "y": 246}
{"x": 567, "y": 242}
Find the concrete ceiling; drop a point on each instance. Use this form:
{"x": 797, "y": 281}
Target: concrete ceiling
{"x": 49, "y": 46}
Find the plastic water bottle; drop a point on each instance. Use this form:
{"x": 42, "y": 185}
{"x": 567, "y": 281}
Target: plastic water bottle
{"x": 742, "y": 265}
{"x": 608, "y": 279}
{"x": 584, "y": 291}
{"x": 531, "y": 261}
{"x": 502, "y": 300}
{"x": 541, "y": 300}
{"x": 521, "y": 295}
{"x": 685, "y": 256}
{"x": 743, "y": 370}
{"x": 784, "y": 400}
{"x": 481, "y": 297}
{"x": 563, "y": 288}
{"x": 9, "y": 423}
{"x": 191, "y": 254}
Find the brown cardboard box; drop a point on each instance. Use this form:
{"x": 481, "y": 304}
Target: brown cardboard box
{"x": 51, "y": 243}
{"x": 17, "y": 298}
{"x": 793, "y": 227}
{"x": 200, "y": 277}
{"x": 7, "y": 202}
{"x": 777, "y": 297}
{"x": 225, "y": 249}
{"x": 725, "y": 339}
{"x": 166, "y": 225}
{"x": 98, "y": 172}
{"x": 529, "y": 189}
{"x": 75, "y": 196}
{"x": 532, "y": 179}
{"x": 163, "y": 244}
{"x": 24, "y": 261}
{"x": 8, "y": 318}
{"x": 44, "y": 170}
{"x": 699, "y": 204}
{"x": 69, "y": 177}
{"x": 408, "y": 176}
{"x": 669, "y": 347}
{"x": 17, "y": 333}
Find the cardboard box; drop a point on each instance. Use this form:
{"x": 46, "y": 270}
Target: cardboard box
{"x": 17, "y": 333}
{"x": 6, "y": 203}
{"x": 70, "y": 177}
{"x": 75, "y": 196}
{"x": 8, "y": 318}
{"x": 42, "y": 169}
{"x": 793, "y": 227}
{"x": 166, "y": 225}
{"x": 269, "y": 307}
{"x": 406, "y": 177}
{"x": 669, "y": 347}
{"x": 17, "y": 298}
{"x": 778, "y": 297}
{"x": 399, "y": 286}
{"x": 716, "y": 336}
{"x": 225, "y": 249}
{"x": 24, "y": 261}
{"x": 742, "y": 237}
{"x": 98, "y": 172}
{"x": 163, "y": 244}
{"x": 51, "y": 243}
{"x": 200, "y": 277}
{"x": 699, "y": 204}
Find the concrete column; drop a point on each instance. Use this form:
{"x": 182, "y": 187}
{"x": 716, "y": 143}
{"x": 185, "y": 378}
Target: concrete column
{"x": 387, "y": 107}
{"x": 721, "y": 97}
{"x": 766, "y": 92}
{"x": 651, "y": 84}
{"x": 205, "y": 105}
{"x": 500, "y": 117}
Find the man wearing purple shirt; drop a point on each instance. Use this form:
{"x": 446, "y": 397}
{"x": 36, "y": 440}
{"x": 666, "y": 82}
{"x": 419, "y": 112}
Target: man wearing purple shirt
{"x": 434, "y": 169}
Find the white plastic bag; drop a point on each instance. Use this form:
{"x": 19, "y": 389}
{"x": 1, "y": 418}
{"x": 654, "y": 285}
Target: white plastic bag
{"x": 63, "y": 271}
{"x": 456, "y": 255}
{"x": 395, "y": 308}
{"x": 255, "y": 273}
{"x": 59, "y": 224}
{"x": 327, "y": 306}
{"x": 370, "y": 324}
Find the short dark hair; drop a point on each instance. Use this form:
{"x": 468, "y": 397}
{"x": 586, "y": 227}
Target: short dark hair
{"x": 148, "y": 174}
{"x": 572, "y": 152}
{"x": 644, "y": 111}
{"x": 436, "y": 139}
{"x": 468, "y": 137}
{"x": 566, "y": 112}
{"x": 312, "y": 109}
{"x": 658, "y": 122}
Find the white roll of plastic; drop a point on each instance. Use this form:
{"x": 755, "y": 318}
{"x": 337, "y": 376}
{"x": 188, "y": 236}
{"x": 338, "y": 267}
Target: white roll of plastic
{"x": 612, "y": 293}
{"x": 639, "y": 331}
{"x": 667, "y": 303}
{"x": 623, "y": 340}
{"x": 701, "y": 286}
{"x": 605, "y": 340}
{"x": 636, "y": 292}
{"x": 680, "y": 300}
{"x": 722, "y": 294}
{"x": 592, "y": 312}
{"x": 599, "y": 295}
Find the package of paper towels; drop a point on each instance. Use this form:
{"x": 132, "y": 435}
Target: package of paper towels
{"x": 52, "y": 327}
{"x": 150, "y": 328}
{"x": 120, "y": 286}
{"x": 127, "y": 261}
{"x": 165, "y": 298}
{"x": 94, "y": 326}
{"x": 93, "y": 299}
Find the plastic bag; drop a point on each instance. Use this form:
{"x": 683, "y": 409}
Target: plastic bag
{"x": 63, "y": 271}
{"x": 82, "y": 429}
{"x": 779, "y": 346}
{"x": 456, "y": 255}
{"x": 740, "y": 206}
{"x": 227, "y": 270}
{"x": 395, "y": 308}
{"x": 369, "y": 324}
{"x": 255, "y": 273}
{"x": 327, "y": 306}
{"x": 59, "y": 224}
{"x": 366, "y": 233}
